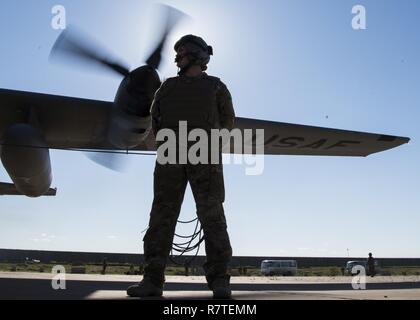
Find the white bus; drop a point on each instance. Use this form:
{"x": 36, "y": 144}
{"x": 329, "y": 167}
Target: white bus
{"x": 279, "y": 267}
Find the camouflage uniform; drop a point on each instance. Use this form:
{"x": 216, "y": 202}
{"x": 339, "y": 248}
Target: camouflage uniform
{"x": 206, "y": 181}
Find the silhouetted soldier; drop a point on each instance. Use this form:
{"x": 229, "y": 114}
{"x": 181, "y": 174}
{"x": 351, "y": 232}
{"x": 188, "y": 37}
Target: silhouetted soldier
{"x": 205, "y": 103}
{"x": 371, "y": 265}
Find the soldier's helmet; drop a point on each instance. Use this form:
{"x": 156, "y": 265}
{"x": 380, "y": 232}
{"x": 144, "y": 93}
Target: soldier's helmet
{"x": 197, "y": 49}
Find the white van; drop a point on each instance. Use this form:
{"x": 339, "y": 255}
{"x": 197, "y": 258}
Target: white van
{"x": 351, "y": 264}
{"x": 279, "y": 267}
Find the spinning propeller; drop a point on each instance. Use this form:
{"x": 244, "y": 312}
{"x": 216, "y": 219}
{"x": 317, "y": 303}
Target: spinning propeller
{"x": 138, "y": 86}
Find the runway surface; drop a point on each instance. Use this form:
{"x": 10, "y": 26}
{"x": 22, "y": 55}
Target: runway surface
{"x": 17, "y": 286}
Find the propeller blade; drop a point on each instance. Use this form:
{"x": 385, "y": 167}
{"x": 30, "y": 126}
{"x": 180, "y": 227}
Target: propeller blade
{"x": 74, "y": 46}
{"x": 171, "y": 17}
{"x": 112, "y": 161}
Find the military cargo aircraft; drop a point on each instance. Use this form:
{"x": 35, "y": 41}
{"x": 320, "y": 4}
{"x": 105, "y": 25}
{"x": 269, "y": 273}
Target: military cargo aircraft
{"x": 31, "y": 124}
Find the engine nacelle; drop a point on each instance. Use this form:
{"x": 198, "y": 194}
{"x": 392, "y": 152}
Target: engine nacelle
{"x": 130, "y": 121}
{"x": 26, "y": 158}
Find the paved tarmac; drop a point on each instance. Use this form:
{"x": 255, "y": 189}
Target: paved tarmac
{"x": 38, "y": 286}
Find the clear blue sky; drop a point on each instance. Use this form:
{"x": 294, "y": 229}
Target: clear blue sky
{"x": 290, "y": 61}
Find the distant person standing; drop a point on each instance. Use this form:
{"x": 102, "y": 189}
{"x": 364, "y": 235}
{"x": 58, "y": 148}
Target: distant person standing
{"x": 371, "y": 265}
{"x": 104, "y": 265}
{"x": 187, "y": 268}
{"x": 131, "y": 271}
{"x": 141, "y": 269}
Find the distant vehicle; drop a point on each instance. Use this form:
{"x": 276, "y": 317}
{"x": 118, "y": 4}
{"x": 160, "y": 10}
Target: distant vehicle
{"x": 351, "y": 264}
{"x": 32, "y": 261}
{"x": 279, "y": 267}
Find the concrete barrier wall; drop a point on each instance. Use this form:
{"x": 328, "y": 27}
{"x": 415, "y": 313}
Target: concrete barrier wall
{"x": 19, "y": 256}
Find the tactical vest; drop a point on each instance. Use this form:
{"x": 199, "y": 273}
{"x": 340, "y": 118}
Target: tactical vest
{"x": 190, "y": 99}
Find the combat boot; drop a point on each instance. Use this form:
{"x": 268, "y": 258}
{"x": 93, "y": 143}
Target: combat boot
{"x": 221, "y": 288}
{"x": 146, "y": 288}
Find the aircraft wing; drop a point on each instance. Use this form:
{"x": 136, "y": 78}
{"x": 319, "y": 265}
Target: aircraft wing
{"x": 75, "y": 123}
{"x": 293, "y": 139}
{"x": 9, "y": 189}
{"x": 66, "y": 122}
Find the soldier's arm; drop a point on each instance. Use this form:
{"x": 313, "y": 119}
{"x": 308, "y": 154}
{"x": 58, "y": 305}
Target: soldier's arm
{"x": 226, "y": 110}
{"x": 155, "y": 113}
{"x": 155, "y": 110}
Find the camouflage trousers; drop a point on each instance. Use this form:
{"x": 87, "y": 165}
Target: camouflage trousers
{"x": 207, "y": 185}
